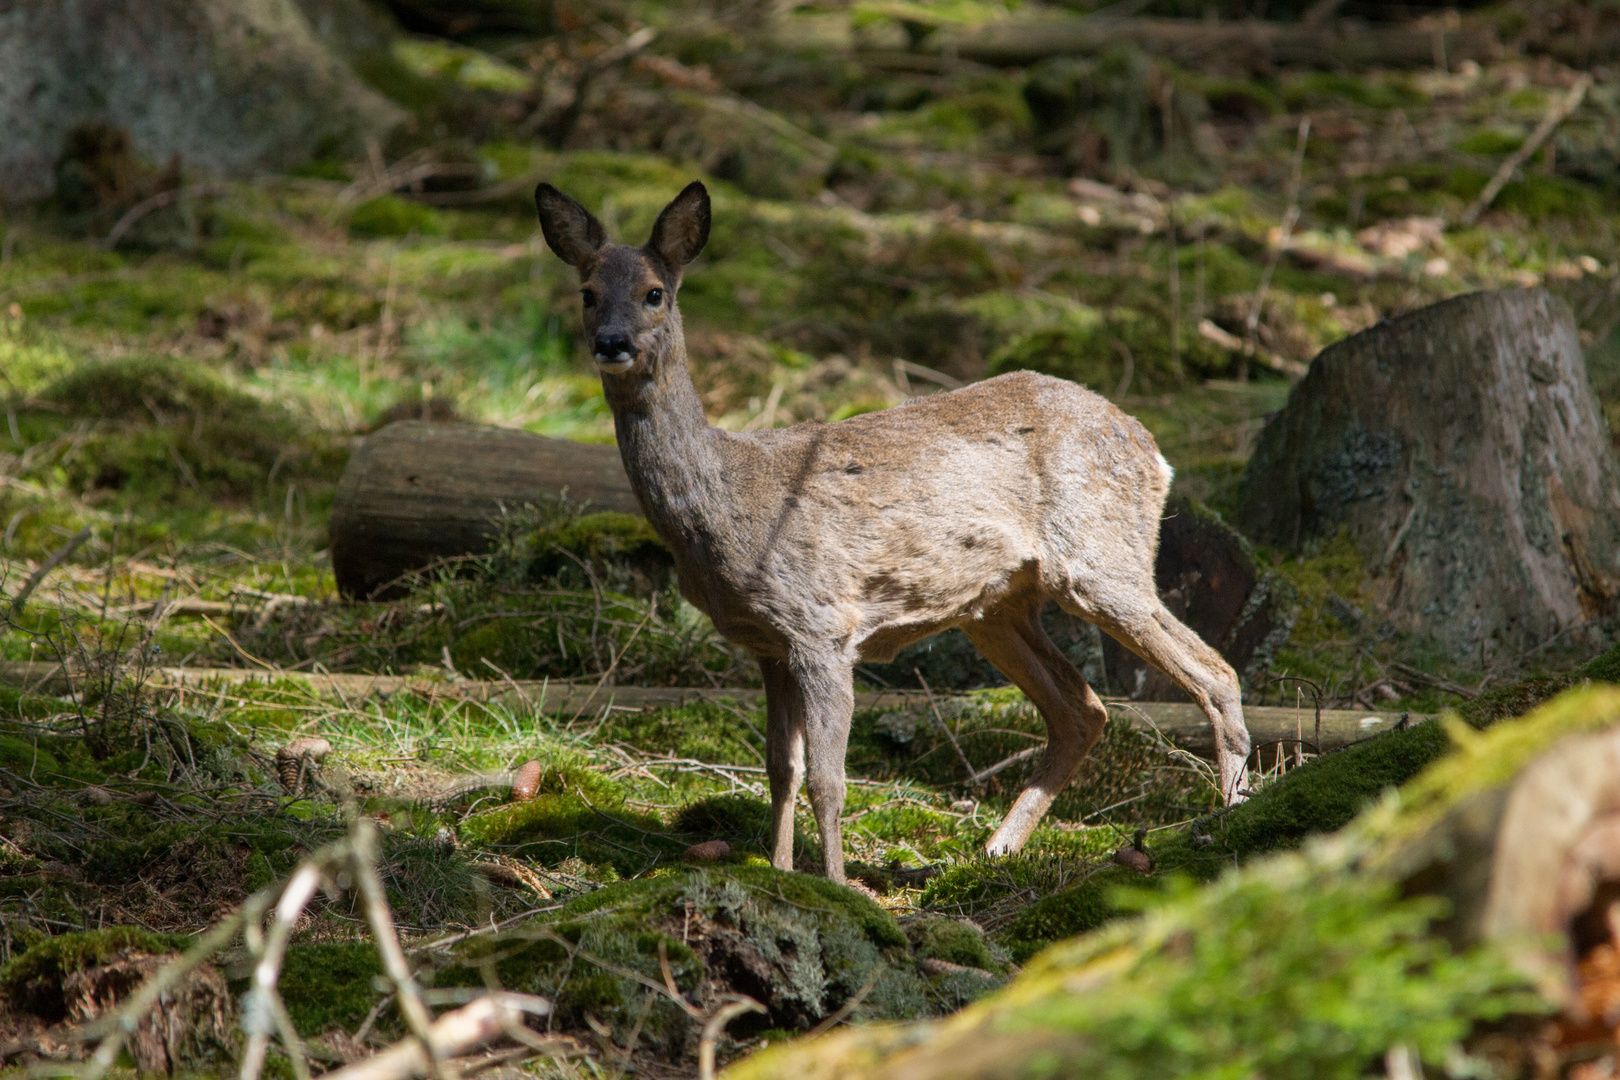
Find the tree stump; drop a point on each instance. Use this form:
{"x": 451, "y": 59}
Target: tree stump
{"x": 1462, "y": 449}
{"x": 417, "y": 492}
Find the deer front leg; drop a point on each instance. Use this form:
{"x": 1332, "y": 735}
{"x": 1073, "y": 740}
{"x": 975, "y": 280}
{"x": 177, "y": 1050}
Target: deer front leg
{"x": 828, "y": 692}
{"x": 784, "y": 753}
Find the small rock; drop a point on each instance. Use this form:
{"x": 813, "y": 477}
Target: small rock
{"x": 708, "y": 851}
{"x": 98, "y": 795}
{"x": 527, "y": 782}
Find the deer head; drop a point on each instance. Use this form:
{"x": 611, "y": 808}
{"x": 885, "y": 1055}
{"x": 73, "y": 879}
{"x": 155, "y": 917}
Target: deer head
{"x": 628, "y": 293}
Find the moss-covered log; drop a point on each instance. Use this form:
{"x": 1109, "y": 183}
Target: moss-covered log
{"x": 415, "y": 492}
{"x": 1332, "y": 944}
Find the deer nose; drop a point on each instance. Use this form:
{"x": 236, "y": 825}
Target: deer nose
{"x": 613, "y": 346}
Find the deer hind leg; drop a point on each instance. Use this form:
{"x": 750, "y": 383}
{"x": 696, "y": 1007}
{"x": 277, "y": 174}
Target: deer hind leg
{"x": 1013, "y": 640}
{"x": 784, "y": 753}
{"x": 1147, "y": 628}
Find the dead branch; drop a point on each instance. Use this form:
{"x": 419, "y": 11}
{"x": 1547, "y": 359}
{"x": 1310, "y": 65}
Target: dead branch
{"x": 156, "y": 202}
{"x": 451, "y": 1035}
{"x": 1557, "y": 113}
{"x": 58, "y": 557}
{"x": 717, "y": 1023}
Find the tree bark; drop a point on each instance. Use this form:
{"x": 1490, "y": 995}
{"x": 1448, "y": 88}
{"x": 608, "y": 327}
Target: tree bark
{"x": 1462, "y": 450}
{"x": 233, "y": 86}
{"x": 417, "y": 492}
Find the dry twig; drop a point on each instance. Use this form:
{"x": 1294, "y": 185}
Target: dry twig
{"x": 1556, "y": 115}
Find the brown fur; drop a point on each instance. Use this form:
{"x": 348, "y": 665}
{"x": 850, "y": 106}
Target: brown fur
{"x": 822, "y": 545}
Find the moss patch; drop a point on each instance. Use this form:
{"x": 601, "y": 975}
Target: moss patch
{"x": 329, "y": 986}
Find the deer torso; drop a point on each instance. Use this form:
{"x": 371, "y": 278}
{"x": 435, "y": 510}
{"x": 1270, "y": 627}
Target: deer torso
{"x": 885, "y": 528}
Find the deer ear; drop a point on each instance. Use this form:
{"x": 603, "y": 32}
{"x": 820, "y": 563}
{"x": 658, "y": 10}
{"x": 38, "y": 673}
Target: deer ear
{"x": 571, "y": 231}
{"x": 683, "y": 227}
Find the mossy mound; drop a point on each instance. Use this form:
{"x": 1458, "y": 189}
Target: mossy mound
{"x": 163, "y": 425}
{"x": 1319, "y": 797}
{"x": 1321, "y": 945}
{"x": 1524, "y": 695}
{"x": 622, "y": 551}
{"x": 34, "y": 980}
{"x": 578, "y": 814}
{"x": 799, "y": 945}
{"x": 389, "y": 215}
{"x": 740, "y": 821}
{"x": 702, "y": 730}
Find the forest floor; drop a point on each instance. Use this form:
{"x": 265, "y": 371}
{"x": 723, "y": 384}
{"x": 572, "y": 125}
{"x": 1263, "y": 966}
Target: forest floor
{"x": 184, "y": 390}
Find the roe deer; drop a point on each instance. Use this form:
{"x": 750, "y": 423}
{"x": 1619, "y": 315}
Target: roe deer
{"x": 822, "y": 545}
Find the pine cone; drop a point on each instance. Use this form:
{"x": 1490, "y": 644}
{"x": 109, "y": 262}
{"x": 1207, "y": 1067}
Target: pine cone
{"x": 299, "y": 759}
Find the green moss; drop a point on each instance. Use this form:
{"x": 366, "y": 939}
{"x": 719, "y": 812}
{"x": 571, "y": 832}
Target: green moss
{"x": 389, "y": 215}
{"x": 955, "y": 942}
{"x": 555, "y": 827}
{"x": 1491, "y": 142}
{"x": 26, "y": 757}
{"x": 1066, "y": 914}
{"x": 1322, "y": 796}
{"x": 330, "y": 985}
{"x": 622, "y": 551}
{"x": 166, "y": 427}
{"x": 703, "y": 730}
{"x": 33, "y": 981}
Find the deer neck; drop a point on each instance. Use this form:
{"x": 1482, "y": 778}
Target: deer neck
{"x": 670, "y": 452}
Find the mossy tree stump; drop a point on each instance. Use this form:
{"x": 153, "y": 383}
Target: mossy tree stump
{"x": 1462, "y": 449}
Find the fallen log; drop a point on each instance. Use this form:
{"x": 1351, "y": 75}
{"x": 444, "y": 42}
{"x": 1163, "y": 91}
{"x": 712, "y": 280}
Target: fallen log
{"x": 417, "y": 492}
{"x": 1249, "y": 46}
{"x": 1181, "y": 722}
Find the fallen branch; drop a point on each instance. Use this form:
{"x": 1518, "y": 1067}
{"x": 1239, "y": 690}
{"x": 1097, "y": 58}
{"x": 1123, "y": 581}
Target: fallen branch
{"x": 717, "y": 1023}
{"x": 1005, "y": 763}
{"x": 156, "y": 202}
{"x": 58, "y": 557}
{"x": 1556, "y": 114}
{"x": 1232, "y": 343}
{"x": 449, "y": 1036}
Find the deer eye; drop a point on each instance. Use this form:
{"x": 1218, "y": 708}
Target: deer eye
{"x": 655, "y": 298}
{"x": 588, "y": 296}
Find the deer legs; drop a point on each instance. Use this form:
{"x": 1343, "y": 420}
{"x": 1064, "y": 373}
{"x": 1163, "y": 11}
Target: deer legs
{"x": 1012, "y": 639}
{"x": 1150, "y": 631}
{"x": 808, "y": 707}
{"x": 784, "y": 754}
